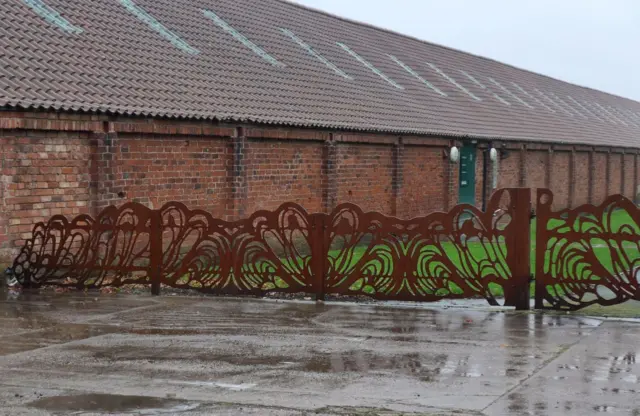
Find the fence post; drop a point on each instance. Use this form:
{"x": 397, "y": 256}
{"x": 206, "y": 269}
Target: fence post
{"x": 155, "y": 251}
{"x": 318, "y": 254}
{"x": 518, "y": 242}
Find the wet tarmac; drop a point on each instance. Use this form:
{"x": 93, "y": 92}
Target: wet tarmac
{"x": 125, "y": 355}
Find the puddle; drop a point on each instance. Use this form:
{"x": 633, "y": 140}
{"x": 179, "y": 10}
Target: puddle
{"x": 227, "y": 386}
{"x": 152, "y": 355}
{"x": 236, "y": 387}
{"x": 109, "y": 404}
{"x": 604, "y": 409}
{"x": 416, "y": 365}
{"x": 568, "y": 367}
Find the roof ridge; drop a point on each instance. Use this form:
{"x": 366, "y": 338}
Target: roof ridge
{"x": 406, "y": 36}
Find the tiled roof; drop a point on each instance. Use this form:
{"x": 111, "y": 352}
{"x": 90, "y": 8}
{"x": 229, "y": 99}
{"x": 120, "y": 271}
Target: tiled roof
{"x": 271, "y": 61}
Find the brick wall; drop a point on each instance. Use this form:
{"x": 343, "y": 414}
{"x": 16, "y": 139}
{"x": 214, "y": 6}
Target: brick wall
{"x": 158, "y": 169}
{"x": 600, "y": 180}
{"x": 69, "y": 164}
{"x": 637, "y": 179}
{"x": 629, "y": 176}
{"x": 615, "y": 173}
{"x": 364, "y": 175}
{"x": 559, "y": 183}
{"x": 42, "y": 174}
{"x": 422, "y": 181}
{"x": 536, "y": 172}
{"x": 510, "y": 169}
{"x": 582, "y": 172}
{"x": 4, "y": 183}
{"x": 281, "y": 171}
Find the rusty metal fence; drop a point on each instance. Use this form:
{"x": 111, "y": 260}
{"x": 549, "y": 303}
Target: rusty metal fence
{"x": 587, "y": 255}
{"x": 582, "y": 256}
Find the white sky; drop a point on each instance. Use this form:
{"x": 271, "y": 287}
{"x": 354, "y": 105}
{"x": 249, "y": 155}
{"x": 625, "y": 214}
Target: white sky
{"x": 595, "y": 43}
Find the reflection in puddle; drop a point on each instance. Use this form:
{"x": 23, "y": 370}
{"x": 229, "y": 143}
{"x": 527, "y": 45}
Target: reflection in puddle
{"x": 227, "y": 386}
{"x": 422, "y": 367}
{"x": 108, "y": 403}
{"x": 604, "y": 409}
{"x": 621, "y": 367}
{"x": 462, "y": 368}
{"x": 619, "y": 391}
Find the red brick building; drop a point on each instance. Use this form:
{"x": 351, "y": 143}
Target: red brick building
{"x": 236, "y": 105}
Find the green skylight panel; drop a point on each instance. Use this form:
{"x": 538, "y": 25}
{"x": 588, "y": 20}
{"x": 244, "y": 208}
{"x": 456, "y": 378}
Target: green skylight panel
{"x": 370, "y": 66}
{"x": 242, "y": 38}
{"x": 481, "y": 85}
{"x": 315, "y": 54}
{"x": 522, "y": 90}
{"x": 509, "y": 93}
{"x": 454, "y": 82}
{"x": 416, "y": 75}
{"x": 154, "y": 24}
{"x": 52, "y": 16}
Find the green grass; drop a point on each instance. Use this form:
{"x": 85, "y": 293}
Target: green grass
{"x": 629, "y": 309}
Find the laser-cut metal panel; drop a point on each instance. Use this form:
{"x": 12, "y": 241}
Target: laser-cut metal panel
{"x": 587, "y": 255}
{"x": 270, "y": 251}
{"x": 463, "y": 253}
{"x": 460, "y": 254}
{"x": 111, "y": 250}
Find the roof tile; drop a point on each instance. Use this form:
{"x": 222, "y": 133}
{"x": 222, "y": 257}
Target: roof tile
{"x": 120, "y": 64}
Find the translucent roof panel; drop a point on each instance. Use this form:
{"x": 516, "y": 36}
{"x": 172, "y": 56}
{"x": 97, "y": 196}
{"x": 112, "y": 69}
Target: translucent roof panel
{"x": 631, "y": 114}
{"x": 242, "y": 38}
{"x": 484, "y": 87}
{"x": 369, "y": 65}
{"x": 561, "y": 101}
{"x": 52, "y": 16}
{"x": 584, "y": 109}
{"x": 533, "y": 97}
{"x": 511, "y": 94}
{"x": 315, "y": 54}
{"x": 154, "y": 24}
{"x": 622, "y": 116}
{"x": 600, "y": 111}
{"x": 555, "y": 104}
{"x": 609, "y": 113}
{"x": 416, "y": 75}
{"x": 454, "y": 82}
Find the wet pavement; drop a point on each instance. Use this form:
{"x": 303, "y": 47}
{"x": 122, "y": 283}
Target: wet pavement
{"x": 125, "y": 355}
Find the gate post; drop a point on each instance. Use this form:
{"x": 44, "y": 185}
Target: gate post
{"x": 544, "y": 199}
{"x": 318, "y": 254}
{"x": 155, "y": 251}
{"x": 518, "y": 242}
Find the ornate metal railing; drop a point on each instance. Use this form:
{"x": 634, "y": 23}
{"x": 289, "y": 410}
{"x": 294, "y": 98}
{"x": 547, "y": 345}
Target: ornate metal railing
{"x": 587, "y": 255}
{"x": 460, "y": 254}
